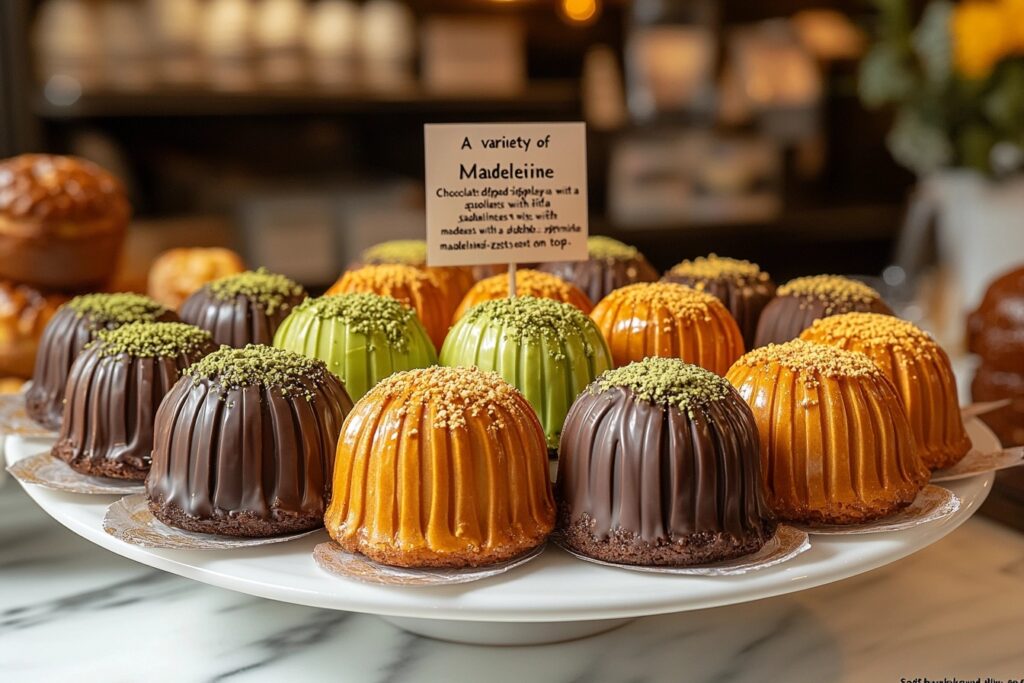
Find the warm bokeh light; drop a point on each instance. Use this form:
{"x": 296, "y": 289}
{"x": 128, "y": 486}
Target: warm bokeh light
{"x": 579, "y": 11}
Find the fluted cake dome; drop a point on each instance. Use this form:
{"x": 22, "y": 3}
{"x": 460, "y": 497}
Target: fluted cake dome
{"x": 454, "y": 281}
{"x": 411, "y": 286}
{"x": 918, "y": 368}
{"x": 243, "y": 309}
{"x": 995, "y": 331}
{"x": 741, "y": 285}
{"x": 659, "y": 465}
{"x": 836, "y": 446}
{"x": 610, "y": 264}
{"x": 800, "y": 302}
{"x": 74, "y": 325}
{"x": 548, "y": 350}
{"x": 441, "y": 467}
{"x": 529, "y": 282}
{"x": 362, "y": 337}
{"x": 669, "y": 320}
{"x": 244, "y": 444}
{"x": 114, "y": 389}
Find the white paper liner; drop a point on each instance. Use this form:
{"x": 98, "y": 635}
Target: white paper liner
{"x": 130, "y": 520}
{"x": 14, "y": 421}
{"x": 976, "y": 409}
{"x": 976, "y": 462}
{"x": 787, "y": 543}
{"x": 932, "y": 503}
{"x": 334, "y": 560}
{"x": 53, "y": 473}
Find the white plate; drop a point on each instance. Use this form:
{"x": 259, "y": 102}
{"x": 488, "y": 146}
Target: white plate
{"x": 556, "y": 587}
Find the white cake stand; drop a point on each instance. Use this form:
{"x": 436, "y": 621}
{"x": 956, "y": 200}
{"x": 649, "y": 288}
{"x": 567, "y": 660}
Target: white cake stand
{"x": 551, "y": 599}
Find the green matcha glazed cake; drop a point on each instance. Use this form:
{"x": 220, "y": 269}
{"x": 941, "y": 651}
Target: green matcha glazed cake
{"x": 362, "y": 338}
{"x": 548, "y": 350}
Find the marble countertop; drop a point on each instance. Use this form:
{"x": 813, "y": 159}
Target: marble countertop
{"x": 73, "y": 611}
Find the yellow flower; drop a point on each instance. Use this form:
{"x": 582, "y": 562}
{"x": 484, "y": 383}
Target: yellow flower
{"x": 981, "y": 36}
{"x": 1013, "y": 13}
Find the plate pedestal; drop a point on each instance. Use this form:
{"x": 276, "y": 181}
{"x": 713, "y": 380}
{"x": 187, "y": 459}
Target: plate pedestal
{"x": 504, "y": 633}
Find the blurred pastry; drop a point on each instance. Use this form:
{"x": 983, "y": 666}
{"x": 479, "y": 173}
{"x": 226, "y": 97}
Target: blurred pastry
{"x": 24, "y": 313}
{"x": 610, "y": 264}
{"x": 62, "y": 221}
{"x": 178, "y": 273}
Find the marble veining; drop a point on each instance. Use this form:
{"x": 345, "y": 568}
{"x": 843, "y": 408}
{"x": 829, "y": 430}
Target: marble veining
{"x": 73, "y": 611}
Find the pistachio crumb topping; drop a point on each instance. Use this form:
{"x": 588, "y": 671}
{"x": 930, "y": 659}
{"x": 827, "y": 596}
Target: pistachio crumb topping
{"x": 364, "y": 313}
{"x": 715, "y": 267}
{"x": 270, "y": 290}
{"x": 529, "y": 318}
{"x": 451, "y": 395}
{"x": 670, "y": 382}
{"x": 600, "y": 247}
{"x": 263, "y": 366}
{"x": 153, "y": 340}
{"x": 119, "y": 308}
{"x": 830, "y": 288}
{"x": 812, "y": 361}
{"x": 405, "y": 252}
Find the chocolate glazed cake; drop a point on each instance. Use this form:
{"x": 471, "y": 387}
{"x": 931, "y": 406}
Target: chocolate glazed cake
{"x": 114, "y": 389}
{"x": 245, "y": 443}
{"x": 741, "y": 285}
{"x": 611, "y": 264}
{"x": 659, "y": 465}
{"x": 74, "y": 325}
{"x": 798, "y": 303}
{"x": 243, "y": 309}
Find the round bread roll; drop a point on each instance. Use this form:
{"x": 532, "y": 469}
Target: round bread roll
{"x": 62, "y": 221}
{"x": 178, "y": 273}
{"x": 24, "y": 312}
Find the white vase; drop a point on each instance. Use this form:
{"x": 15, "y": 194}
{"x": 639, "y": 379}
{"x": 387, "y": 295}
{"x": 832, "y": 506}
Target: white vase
{"x": 980, "y": 225}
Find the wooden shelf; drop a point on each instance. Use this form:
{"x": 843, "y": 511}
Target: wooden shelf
{"x": 544, "y": 96}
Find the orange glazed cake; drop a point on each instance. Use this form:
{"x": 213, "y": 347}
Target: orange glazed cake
{"x": 441, "y": 467}
{"x": 800, "y": 302}
{"x": 528, "y": 283}
{"x": 665, "y": 319}
{"x": 917, "y": 367}
{"x": 836, "y": 446}
{"x": 454, "y": 281}
{"x": 411, "y": 286}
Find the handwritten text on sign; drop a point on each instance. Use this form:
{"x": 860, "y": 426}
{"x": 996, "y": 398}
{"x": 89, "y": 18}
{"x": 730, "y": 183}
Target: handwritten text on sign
{"x": 505, "y": 193}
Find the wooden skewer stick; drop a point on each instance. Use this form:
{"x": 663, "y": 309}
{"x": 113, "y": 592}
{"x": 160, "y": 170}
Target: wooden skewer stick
{"x": 512, "y": 281}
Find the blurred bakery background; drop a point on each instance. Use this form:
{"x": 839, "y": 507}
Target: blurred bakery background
{"x": 881, "y": 139}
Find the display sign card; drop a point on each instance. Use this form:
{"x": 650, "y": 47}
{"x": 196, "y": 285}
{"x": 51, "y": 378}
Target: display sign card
{"x": 505, "y": 193}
